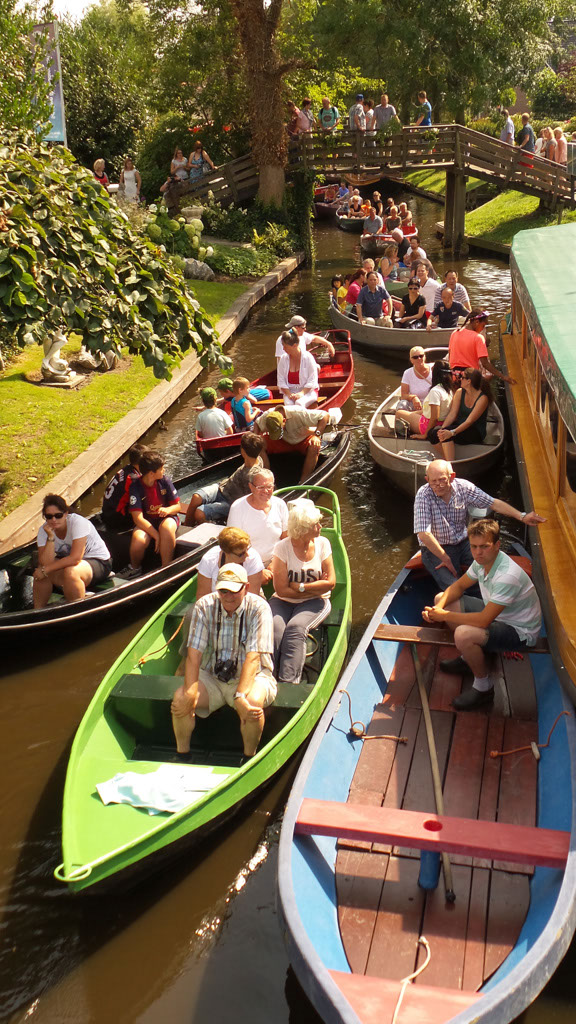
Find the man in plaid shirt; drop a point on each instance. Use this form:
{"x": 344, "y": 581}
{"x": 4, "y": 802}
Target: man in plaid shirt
{"x": 440, "y": 515}
{"x": 230, "y": 649}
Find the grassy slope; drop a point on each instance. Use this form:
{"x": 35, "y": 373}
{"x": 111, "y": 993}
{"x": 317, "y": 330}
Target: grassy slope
{"x": 509, "y": 212}
{"x": 43, "y": 429}
{"x": 435, "y": 181}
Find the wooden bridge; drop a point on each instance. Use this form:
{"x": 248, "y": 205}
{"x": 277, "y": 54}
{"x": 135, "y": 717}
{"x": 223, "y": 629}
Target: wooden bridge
{"x": 458, "y": 151}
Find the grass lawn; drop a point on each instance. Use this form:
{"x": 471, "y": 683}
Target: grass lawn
{"x": 43, "y": 429}
{"x": 435, "y": 181}
{"x": 509, "y": 212}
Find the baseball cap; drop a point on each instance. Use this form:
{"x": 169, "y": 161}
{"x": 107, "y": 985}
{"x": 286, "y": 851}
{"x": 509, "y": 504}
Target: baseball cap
{"x": 359, "y": 95}
{"x": 224, "y": 384}
{"x": 208, "y": 394}
{"x": 232, "y": 577}
{"x": 273, "y": 424}
{"x": 296, "y": 321}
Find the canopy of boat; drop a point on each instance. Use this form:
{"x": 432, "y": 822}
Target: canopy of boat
{"x": 544, "y": 276}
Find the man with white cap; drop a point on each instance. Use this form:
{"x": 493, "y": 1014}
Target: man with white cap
{"x": 290, "y": 429}
{"x": 298, "y": 324}
{"x": 229, "y": 661}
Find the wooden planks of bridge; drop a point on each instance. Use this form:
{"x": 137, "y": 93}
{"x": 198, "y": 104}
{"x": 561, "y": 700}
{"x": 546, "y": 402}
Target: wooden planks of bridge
{"x": 458, "y": 150}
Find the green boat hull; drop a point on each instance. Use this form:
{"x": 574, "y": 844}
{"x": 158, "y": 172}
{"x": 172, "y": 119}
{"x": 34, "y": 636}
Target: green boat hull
{"x": 127, "y": 727}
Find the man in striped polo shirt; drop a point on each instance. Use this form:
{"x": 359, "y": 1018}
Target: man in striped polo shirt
{"x": 508, "y": 617}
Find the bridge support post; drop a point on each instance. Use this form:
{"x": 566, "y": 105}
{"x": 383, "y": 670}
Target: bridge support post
{"x": 454, "y": 211}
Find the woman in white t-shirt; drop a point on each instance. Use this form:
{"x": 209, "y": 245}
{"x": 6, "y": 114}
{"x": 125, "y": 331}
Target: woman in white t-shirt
{"x": 304, "y": 578}
{"x": 263, "y": 516}
{"x": 436, "y": 404}
{"x": 416, "y": 383}
{"x": 297, "y": 373}
{"x": 71, "y": 553}
{"x": 234, "y": 546}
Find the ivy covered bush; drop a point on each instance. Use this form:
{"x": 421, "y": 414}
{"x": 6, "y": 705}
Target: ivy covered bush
{"x": 70, "y": 259}
{"x": 240, "y": 262}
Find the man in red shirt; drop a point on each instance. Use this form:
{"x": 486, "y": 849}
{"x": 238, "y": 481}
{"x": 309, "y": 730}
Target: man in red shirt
{"x": 468, "y": 347}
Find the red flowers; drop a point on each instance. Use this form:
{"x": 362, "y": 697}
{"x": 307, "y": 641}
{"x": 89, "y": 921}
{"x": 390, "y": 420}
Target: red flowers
{"x": 227, "y": 127}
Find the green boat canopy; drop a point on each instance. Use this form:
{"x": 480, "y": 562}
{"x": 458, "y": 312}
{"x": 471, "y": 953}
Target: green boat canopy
{"x": 544, "y": 275}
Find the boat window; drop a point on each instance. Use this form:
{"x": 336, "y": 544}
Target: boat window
{"x": 548, "y": 409}
{"x": 570, "y": 461}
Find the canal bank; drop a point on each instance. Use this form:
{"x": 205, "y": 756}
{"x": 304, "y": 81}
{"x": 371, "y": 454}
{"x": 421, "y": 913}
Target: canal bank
{"x": 200, "y": 942}
{"x": 20, "y": 526}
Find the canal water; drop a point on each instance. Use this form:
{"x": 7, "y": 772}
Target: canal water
{"x": 200, "y": 942}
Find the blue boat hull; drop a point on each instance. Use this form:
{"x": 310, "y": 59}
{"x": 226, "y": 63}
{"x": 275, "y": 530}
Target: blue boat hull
{"x": 307, "y": 898}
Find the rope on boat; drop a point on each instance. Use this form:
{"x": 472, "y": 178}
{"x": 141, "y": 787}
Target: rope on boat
{"x": 534, "y": 747}
{"x": 358, "y": 729}
{"x": 145, "y": 657}
{"x": 411, "y": 977}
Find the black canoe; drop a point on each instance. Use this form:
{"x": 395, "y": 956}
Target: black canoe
{"x": 18, "y": 621}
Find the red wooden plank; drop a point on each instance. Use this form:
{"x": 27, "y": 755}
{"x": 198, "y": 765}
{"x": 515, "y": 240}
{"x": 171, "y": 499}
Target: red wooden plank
{"x": 445, "y": 926}
{"x": 377, "y": 755}
{"x": 473, "y": 976}
{"x": 463, "y": 779}
{"x": 419, "y": 794}
{"x": 359, "y": 881}
{"x": 399, "y": 775}
{"x": 488, "y": 807}
{"x": 509, "y": 902}
{"x": 402, "y": 678}
{"x": 374, "y": 1000}
{"x": 521, "y": 690}
{"x": 395, "y": 939}
{"x": 518, "y": 779}
{"x": 426, "y": 831}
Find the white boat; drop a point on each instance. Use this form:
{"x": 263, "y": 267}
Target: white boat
{"x": 386, "y": 339}
{"x": 404, "y": 459}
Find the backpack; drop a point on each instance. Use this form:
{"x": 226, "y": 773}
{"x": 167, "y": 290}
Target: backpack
{"x": 332, "y": 111}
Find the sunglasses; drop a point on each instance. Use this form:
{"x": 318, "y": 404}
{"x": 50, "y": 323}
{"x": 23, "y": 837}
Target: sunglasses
{"x": 418, "y": 357}
{"x": 54, "y": 515}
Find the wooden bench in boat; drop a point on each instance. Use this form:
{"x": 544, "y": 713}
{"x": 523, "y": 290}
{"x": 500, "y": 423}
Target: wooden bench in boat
{"x": 437, "y": 636}
{"x": 518, "y": 844}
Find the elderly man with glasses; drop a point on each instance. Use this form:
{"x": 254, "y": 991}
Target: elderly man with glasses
{"x": 262, "y": 515}
{"x": 229, "y": 661}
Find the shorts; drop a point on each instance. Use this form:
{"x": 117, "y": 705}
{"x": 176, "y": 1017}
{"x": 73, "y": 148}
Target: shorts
{"x": 101, "y": 569}
{"x": 424, "y": 426}
{"x": 220, "y": 693}
{"x": 156, "y": 522}
{"x": 214, "y": 504}
{"x": 501, "y": 636}
{"x": 280, "y": 447}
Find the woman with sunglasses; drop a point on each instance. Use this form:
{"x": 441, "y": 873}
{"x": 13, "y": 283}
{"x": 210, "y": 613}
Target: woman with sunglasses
{"x": 233, "y": 546}
{"x": 416, "y": 383}
{"x": 71, "y": 554}
{"x": 413, "y": 310}
{"x": 435, "y": 405}
{"x": 466, "y": 421}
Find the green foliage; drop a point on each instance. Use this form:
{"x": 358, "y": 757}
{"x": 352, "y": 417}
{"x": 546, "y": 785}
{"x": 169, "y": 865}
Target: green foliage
{"x": 24, "y": 103}
{"x": 553, "y": 95}
{"x": 241, "y": 262}
{"x": 107, "y": 68}
{"x": 238, "y": 225}
{"x": 275, "y": 238}
{"x": 69, "y": 259}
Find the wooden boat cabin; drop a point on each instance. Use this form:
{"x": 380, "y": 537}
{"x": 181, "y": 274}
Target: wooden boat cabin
{"x": 540, "y": 355}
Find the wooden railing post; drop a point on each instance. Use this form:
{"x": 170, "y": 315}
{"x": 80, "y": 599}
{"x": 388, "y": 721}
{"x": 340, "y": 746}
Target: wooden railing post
{"x": 229, "y": 172}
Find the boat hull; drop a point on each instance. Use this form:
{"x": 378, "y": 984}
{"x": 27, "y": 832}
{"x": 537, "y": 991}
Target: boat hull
{"x": 392, "y": 340}
{"x": 339, "y": 370}
{"x": 375, "y": 245}
{"x": 127, "y": 728}
{"x": 354, "y": 225}
{"x": 307, "y": 891}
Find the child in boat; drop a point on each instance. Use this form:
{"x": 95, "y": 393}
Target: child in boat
{"x": 212, "y": 503}
{"x": 115, "y": 501}
{"x": 212, "y": 422}
{"x": 342, "y": 292}
{"x": 334, "y": 289}
{"x": 258, "y": 393}
{"x": 154, "y": 506}
{"x": 243, "y": 412}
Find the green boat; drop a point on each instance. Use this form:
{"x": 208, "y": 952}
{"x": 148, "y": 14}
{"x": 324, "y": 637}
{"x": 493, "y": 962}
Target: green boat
{"x": 127, "y": 728}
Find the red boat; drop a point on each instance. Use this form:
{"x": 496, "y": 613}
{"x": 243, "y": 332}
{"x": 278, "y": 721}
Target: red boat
{"x": 335, "y": 377}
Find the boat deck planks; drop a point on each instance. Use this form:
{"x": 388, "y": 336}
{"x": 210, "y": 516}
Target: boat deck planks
{"x": 381, "y": 909}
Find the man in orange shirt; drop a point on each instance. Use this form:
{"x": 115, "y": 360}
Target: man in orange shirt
{"x": 468, "y": 347}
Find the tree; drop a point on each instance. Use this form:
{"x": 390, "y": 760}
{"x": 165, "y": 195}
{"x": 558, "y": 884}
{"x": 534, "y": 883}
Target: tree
{"x": 24, "y": 102}
{"x": 108, "y": 65}
{"x": 69, "y": 260}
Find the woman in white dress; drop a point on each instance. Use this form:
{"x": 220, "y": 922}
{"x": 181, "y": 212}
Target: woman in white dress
{"x": 130, "y": 181}
{"x": 297, "y": 373}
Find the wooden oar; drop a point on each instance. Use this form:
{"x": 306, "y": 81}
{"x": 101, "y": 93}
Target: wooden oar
{"x": 438, "y": 796}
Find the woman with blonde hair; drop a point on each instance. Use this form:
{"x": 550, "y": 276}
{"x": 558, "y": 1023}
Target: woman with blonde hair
{"x": 304, "y": 577}
{"x": 233, "y": 546}
{"x": 100, "y": 173}
{"x": 130, "y": 181}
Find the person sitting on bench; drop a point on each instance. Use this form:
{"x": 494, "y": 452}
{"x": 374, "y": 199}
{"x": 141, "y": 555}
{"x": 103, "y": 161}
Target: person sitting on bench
{"x": 115, "y": 513}
{"x": 211, "y": 504}
{"x": 507, "y": 618}
{"x": 71, "y": 554}
{"x": 440, "y": 512}
{"x": 229, "y": 661}
{"x": 154, "y": 506}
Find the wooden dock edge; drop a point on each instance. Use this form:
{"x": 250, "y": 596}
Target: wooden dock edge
{"x": 477, "y": 242}
{"x": 21, "y": 526}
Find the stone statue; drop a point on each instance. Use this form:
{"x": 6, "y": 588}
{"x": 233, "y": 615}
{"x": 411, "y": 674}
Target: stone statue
{"x": 54, "y": 367}
{"x": 102, "y": 361}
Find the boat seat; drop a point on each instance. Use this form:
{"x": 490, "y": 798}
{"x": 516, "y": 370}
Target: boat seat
{"x": 437, "y": 636}
{"x": 494, "y": 840}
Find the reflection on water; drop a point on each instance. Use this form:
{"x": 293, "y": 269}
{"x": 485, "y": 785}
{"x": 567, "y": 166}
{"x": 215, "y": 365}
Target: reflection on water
{"x": 200, "y": 942}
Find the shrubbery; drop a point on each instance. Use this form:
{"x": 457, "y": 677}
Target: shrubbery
{"x": 239, "y": 262}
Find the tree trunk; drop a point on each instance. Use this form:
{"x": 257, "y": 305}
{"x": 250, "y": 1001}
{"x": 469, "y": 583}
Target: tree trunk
{"x": 272, "y": 183}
